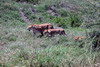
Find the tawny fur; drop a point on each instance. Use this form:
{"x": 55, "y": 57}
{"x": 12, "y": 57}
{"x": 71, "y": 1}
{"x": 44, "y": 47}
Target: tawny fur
{"x": 52, "y": 32}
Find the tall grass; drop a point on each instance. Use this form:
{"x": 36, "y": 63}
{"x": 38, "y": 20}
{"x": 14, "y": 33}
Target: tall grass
{"x": 18, "y": 48}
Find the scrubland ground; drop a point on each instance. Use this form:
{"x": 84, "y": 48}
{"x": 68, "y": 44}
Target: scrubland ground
{"x": 18, "y": 48}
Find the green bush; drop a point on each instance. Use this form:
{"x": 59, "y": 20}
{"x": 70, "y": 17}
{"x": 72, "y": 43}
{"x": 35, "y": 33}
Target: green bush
{"x": 61, "y": 21}
{"x": 31, "y": 1}
{"x": 63, "y": 12}
{"x": 75, "y": 21}
{"x": 41, "y": 8}
{"x": 12, "y": 38}
{"x": 94, "y": 37}
{"x": 3, "y": 65}
{"x": 70, "y": 21}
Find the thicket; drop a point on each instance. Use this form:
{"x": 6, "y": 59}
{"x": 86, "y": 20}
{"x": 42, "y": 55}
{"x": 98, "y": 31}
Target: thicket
{"x": 67, "y": 22}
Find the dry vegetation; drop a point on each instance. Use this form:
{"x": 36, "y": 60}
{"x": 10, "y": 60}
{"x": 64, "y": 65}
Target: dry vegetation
{"x": 18, "y": 48}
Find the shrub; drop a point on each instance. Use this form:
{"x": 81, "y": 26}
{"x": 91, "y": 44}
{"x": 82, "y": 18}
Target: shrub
{"x": 70, "y": 21}
{"x": 75, "y": 21}
{"x": 3, "y": 65}
{"x": 41, "y": 7}
{"x": 95, "y": 39}
{"x": 63, "y": 12}
{"x": 12, "y": 38}
{"x": 31, "y": 1}
{"x": 61, "y": 21}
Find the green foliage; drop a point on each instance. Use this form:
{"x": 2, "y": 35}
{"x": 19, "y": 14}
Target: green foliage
{"x": 70, "y": 21}
{"x": 3, "y": 65}
{"x": 30, "y": 1}
{"x": 41, "y": 7}
{"x": 63, "y": 12}
{"x": 9, "y": 37}
{"x": 33, "y": 1}
{"x": 76, "y": 21}
{"x": 12, "y": 38}
{"x": 94, "y": 38}
{"x": 19, "y": 48}
{"x": 56, "y": 55}
{"x": 9, "y": 15}
{"x": 61, "y": 21}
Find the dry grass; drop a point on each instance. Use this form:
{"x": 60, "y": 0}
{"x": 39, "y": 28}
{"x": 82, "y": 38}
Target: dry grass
{"x": 18, "y": 48}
